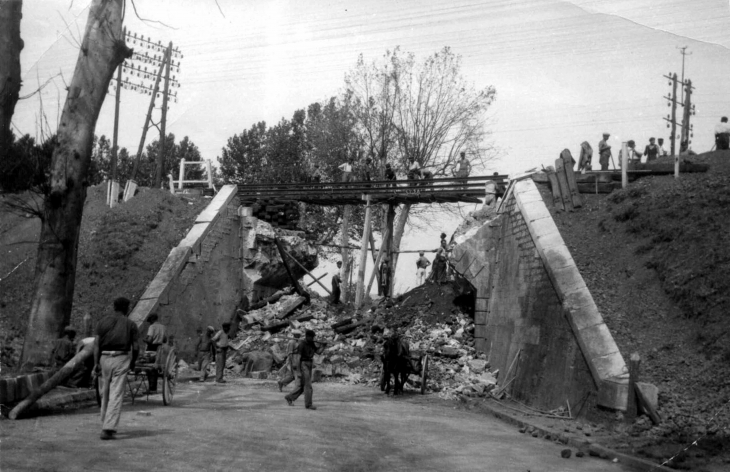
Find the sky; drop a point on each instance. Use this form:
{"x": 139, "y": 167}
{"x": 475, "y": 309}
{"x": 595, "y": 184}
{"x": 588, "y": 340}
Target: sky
{"x": 565, "y": 71}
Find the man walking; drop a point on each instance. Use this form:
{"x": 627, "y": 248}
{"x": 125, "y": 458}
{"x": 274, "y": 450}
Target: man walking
{"x": 604, "y": 151}
{"x": 306, "y": 351}
{"x": 291, "y": 362}
{"x": 421, "y": 264}
{"x": 336, "y": 282}
{"x": 114, "y": 354}
{"x": 221, "y": 348}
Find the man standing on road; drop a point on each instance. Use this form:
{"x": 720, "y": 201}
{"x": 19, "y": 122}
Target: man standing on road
{"x": 336, "y": 282}
{"x": 206, "y": 351}
{"x": 221, "y": 348}
{"x": 421, "y": 264}
{"x": 306, "y": 350}
{"x": 291, "y": 363}
{"x": 114, "y": 354}
{"x": 604, "y": 152}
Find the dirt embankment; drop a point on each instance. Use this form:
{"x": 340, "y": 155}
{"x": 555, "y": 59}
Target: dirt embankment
{"x": 656, "y": 257}
{"x": 120, "y": 251}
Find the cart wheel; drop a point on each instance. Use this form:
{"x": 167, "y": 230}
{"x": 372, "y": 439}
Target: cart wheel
{"x": 424, "y": 374}
{"x": 169, "y": 377}
{"x": 96, "y": 388}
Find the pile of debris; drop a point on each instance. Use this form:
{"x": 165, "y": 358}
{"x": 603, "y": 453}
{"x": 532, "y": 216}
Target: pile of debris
{"x": 355, "y": 342}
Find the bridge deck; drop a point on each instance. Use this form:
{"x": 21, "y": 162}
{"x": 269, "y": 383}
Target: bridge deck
{"x": 449, "y": 190}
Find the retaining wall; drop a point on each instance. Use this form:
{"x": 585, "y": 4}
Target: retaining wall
{"x": 531, "y": 300}
{"x": 199, "y": 283}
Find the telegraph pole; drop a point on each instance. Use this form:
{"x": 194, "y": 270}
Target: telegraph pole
{"x": 161, "y": 151}
{"x": 684, "y": 53}
{"x": 673, "y": 103}
{"x": 113, "y": 184}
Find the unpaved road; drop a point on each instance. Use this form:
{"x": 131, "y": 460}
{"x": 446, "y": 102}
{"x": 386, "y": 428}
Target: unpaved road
{"x": 247, "y": 425}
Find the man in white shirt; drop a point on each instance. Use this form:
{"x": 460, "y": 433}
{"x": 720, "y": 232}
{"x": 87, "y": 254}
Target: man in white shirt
{"x": 722, "y": 134}
{"x": 662, "y": 152}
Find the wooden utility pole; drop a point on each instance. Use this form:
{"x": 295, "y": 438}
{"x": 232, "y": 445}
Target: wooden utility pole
{"x": 131, "y": 184}
{"x": 684, "y": 141}
{"x": 360, "y": 293}
{"x": 114, "y": 184}
{"x": 163, "y": 120}
{"x": 389, "y": 222}
{"x": 673, "y": 119}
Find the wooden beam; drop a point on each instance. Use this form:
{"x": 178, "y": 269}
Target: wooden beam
{"x": 294, "y": 280}
{"x": 634, "y": 365}
{"x": 359, "y": 294}
{"x": 305, "y": 270}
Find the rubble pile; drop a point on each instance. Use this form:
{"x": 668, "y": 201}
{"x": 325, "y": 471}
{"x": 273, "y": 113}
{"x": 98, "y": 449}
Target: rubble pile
{"x": 425, "y": 317}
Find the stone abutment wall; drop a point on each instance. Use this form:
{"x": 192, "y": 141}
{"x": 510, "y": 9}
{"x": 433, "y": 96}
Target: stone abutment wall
{"x": 535, "y": 318}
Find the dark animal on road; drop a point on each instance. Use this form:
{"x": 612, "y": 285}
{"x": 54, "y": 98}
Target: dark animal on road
{"x": 397, "y": 362}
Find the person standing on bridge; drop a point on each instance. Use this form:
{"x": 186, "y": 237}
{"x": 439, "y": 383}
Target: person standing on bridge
{"x": 462, "y": 169}
{"x": 604, "y": 151}
{"x": 336, "y": 282}
{"x": 421, "y": 265}
{"x": 306, "y": 351}
{"x": 115, "y": 352}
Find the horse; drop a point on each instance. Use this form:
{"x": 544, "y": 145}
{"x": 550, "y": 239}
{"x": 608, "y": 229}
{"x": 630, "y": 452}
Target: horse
{"x": 396, "y": 362}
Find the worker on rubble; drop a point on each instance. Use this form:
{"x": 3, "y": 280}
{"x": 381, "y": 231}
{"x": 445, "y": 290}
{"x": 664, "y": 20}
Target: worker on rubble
{"x": 385, "y": 275}
{"x": 115, "y": 354}
{"x": 604, "y": 151}
{"x": 722, "y": 134}
{"x": 63, "y": 348}
{"x": 205, "y": 350}
{"x": 421, "y": 264}
{"x": 586, "y": 155}
{"x": 306, "y": 350}
{"x": 221, "y": 348}
{"x": 290, "y": 370}
{"x": 336, "y": 282}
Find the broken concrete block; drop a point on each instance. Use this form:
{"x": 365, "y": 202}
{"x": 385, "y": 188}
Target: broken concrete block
{"x": 477, "y": 365}
{"x": 317, "y": 375}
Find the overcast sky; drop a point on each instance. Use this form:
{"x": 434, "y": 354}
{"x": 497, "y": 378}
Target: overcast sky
{"x": 564, "y": 71}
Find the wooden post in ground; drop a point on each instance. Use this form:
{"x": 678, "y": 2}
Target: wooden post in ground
{"x": 375, "y": 256}
{"x": 345, "y": 253}
{"x": 634, "y": 365}
{"x": 360, "y": 293}
{"x": 57, "y": 379}
{"x": 624, "y": 165}
{"x": 563, "y": 184}
{"x": 389, "y": 221}
{"x": 378, "y": 260}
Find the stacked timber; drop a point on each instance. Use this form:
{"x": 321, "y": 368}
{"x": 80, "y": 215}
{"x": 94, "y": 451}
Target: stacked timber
{"x": 282, "y": 214}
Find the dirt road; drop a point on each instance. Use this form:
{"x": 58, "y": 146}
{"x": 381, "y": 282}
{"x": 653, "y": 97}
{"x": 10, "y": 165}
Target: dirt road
{"x": 246, "y": 425}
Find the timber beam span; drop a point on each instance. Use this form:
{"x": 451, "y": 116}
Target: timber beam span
{"x": 393, "y": 192}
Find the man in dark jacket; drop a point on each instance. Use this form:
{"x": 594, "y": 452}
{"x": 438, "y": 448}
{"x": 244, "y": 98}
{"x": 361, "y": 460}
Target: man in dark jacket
{"x": 306, "y": 351}
{"x": 385, "y": 274}
{"x": 336, "y": 282}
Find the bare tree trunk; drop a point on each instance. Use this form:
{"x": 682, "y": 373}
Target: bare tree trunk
{"x": 10, "y": 46}
{"x": 102, "y": 50}
{"x": 397, "y": 236}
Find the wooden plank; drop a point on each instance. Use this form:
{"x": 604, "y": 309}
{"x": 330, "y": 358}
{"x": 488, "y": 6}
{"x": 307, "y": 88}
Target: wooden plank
{"x": 634, "y": 365}
{"x": 555, "y": 188}
{"x": 563, "y": 184}
{"x": 568, "y": 161}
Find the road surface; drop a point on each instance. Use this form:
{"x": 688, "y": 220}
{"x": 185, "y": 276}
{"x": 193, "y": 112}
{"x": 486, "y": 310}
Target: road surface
{"x": 246, "y": 425}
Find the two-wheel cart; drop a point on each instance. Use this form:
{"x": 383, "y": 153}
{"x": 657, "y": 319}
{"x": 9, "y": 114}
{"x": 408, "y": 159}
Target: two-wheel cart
{"x": 163, "y": 362}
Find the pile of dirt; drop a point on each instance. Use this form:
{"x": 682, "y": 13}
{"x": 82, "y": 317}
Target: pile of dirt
{"x": 656, "y": 258}
{"x": 120, "y": 251}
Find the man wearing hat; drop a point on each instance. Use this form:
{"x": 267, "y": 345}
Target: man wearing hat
{"x": 306, "y": 351}
{"x": 604, "y": 152}
{"x": 421, "y": 264}
{"x": 206, "y": 350}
